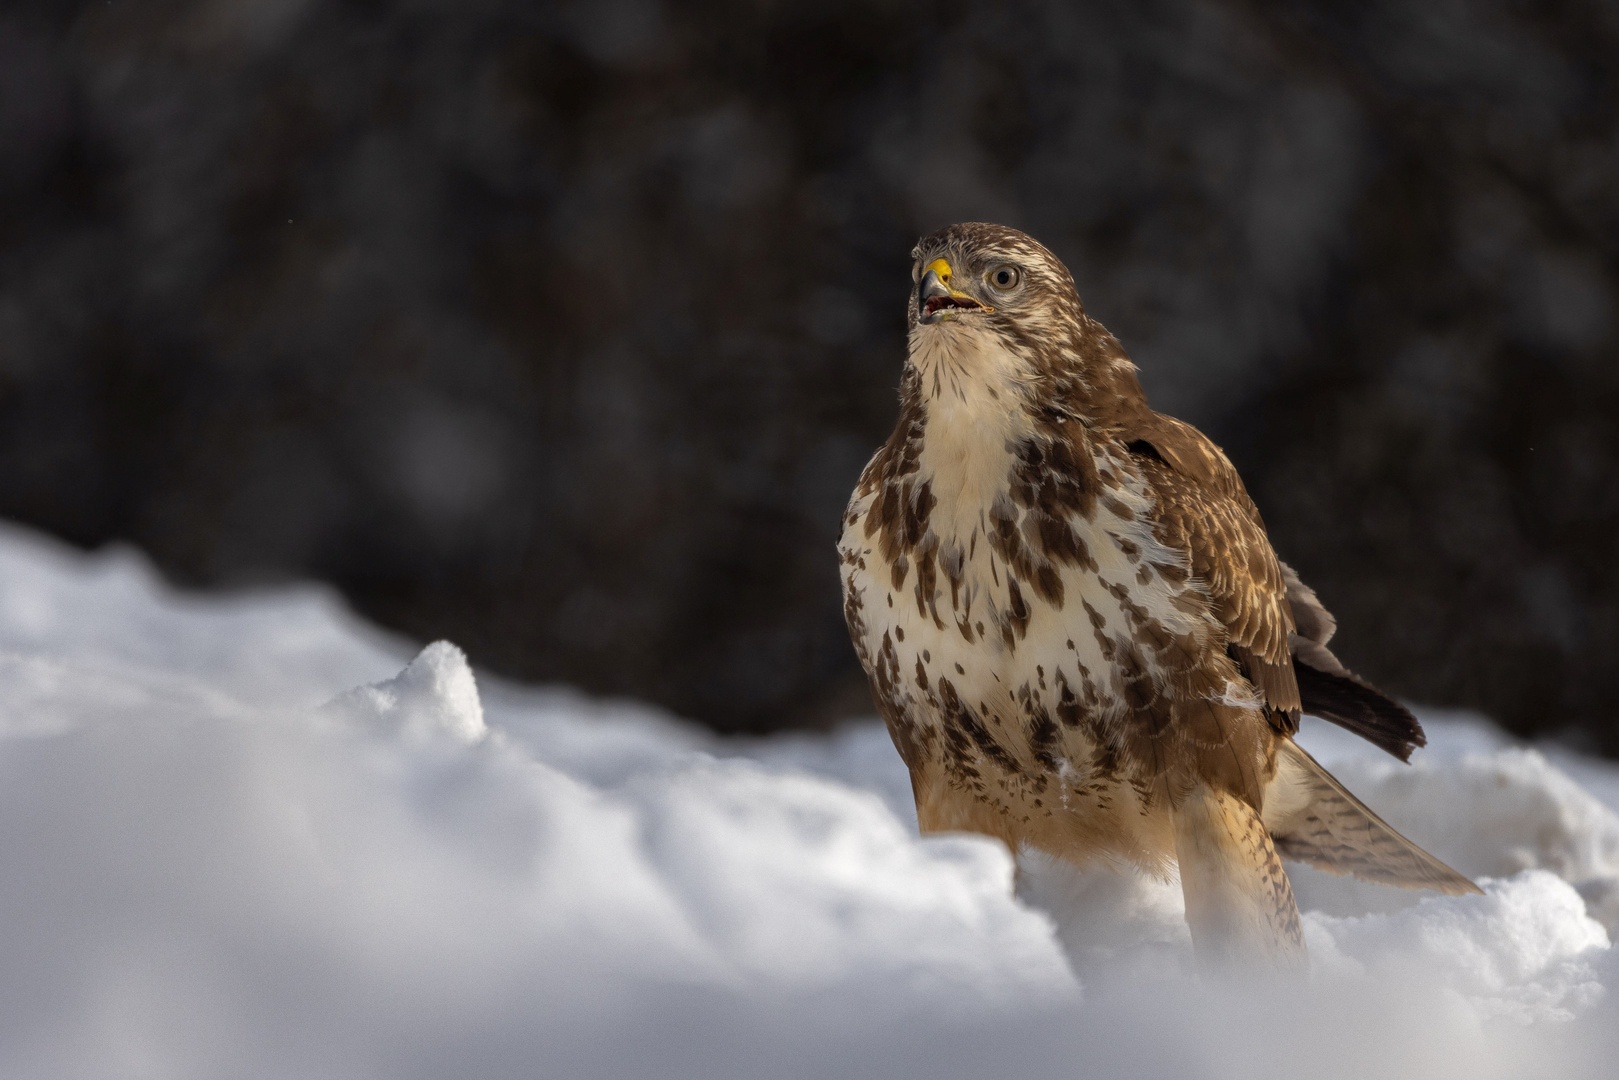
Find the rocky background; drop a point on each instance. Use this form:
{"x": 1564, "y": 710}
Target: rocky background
{"x": 564, "y": 330}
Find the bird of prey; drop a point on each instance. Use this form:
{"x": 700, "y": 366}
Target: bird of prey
{"x": 1074, "y": 624}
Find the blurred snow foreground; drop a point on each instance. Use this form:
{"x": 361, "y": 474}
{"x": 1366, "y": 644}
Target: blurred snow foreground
{"x": 251, "y": 837}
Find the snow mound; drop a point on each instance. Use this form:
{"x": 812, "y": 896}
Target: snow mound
{"x": 436, "y": 695}
{"x": 289, "y": 646}
{"x": 1521, "y": 950}
{"x": 249, "y": 836}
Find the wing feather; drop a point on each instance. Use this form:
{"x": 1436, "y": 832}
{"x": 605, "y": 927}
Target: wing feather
{"x": 1204, "y": 510}
{"x": 1331, "y": 691}
{"x": 1314, "y": 819}
{"x": 1359, "y": 707}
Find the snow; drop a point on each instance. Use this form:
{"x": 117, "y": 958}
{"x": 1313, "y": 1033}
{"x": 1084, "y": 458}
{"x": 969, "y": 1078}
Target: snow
{"x": 251, "y": 836}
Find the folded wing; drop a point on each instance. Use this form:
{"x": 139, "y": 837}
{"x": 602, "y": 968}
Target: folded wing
{"x": 1331, "y": 691}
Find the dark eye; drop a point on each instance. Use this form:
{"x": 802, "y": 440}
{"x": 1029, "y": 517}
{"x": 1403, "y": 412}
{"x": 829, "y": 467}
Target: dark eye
{"x": 1005, "y": 277}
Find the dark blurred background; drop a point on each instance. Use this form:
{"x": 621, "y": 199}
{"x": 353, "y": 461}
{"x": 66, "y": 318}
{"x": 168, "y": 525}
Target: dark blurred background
{"x": 563, "y": 330}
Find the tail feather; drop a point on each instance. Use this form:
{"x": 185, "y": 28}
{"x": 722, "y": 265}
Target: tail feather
{"x": 1239, "y": 903}
{"x": 1314, "y": 819}
{"x": 1356, "y": 705}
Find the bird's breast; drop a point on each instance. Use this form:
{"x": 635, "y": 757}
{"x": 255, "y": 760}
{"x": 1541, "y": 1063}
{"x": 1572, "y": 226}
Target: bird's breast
{"x": 995, "y": 632}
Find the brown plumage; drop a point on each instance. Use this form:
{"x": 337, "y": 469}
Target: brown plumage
{"x": 1075, "y": 626}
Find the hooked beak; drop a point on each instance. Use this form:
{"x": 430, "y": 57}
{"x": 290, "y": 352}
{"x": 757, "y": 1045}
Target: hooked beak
{"x": 936, "y": 301}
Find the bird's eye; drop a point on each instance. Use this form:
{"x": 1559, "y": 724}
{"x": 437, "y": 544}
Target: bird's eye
{"x": 1005, "y": 277}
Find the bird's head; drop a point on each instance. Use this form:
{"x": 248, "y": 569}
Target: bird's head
{"x": 988, "y": 278}
{"x": 995, "y": 307}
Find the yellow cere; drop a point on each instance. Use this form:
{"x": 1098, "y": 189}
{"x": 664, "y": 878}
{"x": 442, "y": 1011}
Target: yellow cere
{"x": 942, "y": 268}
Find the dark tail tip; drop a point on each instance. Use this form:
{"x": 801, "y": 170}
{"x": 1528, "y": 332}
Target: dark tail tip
{"x": 1361, "y": 708}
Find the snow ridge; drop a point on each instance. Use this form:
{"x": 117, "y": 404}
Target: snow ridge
{"x": 251, "y": 836}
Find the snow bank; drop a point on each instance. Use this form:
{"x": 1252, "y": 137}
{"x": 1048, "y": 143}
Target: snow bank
{"x": 252, "y": 837}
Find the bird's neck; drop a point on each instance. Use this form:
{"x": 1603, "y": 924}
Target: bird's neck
{"x": 972, "y": 397}
{"x": 968, "y": 371}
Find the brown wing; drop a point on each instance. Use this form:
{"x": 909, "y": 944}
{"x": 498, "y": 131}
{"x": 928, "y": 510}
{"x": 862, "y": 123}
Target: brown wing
{"x": 1204, "y": 510}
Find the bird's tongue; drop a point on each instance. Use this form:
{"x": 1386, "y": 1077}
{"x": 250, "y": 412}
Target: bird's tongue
{"x": 939, "y": 303}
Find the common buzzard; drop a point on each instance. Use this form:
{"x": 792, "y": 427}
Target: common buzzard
{"x": 1074, "y": 624}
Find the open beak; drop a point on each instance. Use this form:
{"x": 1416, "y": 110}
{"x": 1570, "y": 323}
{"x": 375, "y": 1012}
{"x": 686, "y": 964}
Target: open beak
{"x": 937, "y": 301}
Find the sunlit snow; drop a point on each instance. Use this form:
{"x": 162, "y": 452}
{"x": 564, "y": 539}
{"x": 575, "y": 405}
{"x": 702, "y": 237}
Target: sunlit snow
{"x": 252, "y": 836}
